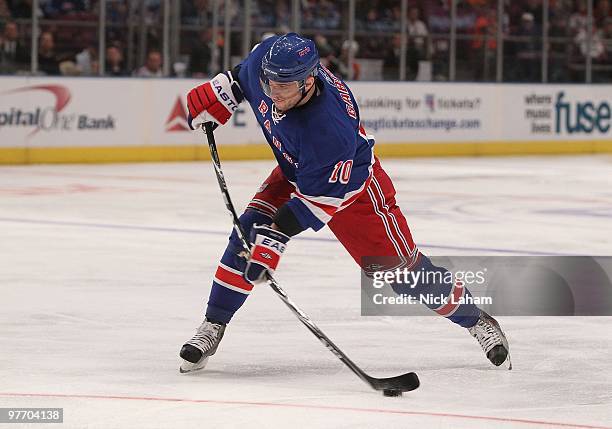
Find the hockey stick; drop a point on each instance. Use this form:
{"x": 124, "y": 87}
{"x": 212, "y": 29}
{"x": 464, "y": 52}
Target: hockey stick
{"x": 401, "y": 383}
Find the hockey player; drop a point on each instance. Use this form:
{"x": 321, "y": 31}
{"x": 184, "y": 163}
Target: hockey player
{"x": 327, "y": 174}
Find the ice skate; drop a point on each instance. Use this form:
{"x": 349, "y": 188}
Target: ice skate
{"x": 492, "y": 339}
{"x": 201, "y": 346}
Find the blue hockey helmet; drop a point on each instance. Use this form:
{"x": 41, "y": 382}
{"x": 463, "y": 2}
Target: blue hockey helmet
{"x": 291, "y": 58}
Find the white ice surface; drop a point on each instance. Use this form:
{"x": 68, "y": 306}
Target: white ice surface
{"x": 105, "y": 271}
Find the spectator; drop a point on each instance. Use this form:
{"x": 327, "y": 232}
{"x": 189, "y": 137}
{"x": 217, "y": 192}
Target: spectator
{"x": 484, "y": 45}
{"x": 323, "y": 45}
{"x": 327, "y": 54}
{"x": 4, "y": 10}
{"x": 117, "y": 12}
{"x": 116, "y": 18}
{"x": 152, "y": 67}
{"x": 598, "y": 49}
{"x": 578, "y": 20}
{"x": 263, "y": 14}
{"x": 603, "y": 70}
{"x": 559, "y": 49}
{"x": 534, "y": 7}
{"x": 13, "y": 55}
{"x": 58, "y": 8}
{"x": 417, "y": 42}
{"x": 392, "y": 59}
{"x": 438, "y": 18}
{"x": 417, "y": 30}
{"x": 374, "y": 22}
{"x": 331, "y": 14}
{"x": 194, "y": 12}
{"x": 47, "y": 59}
{"x": 343, "y": 64}
{"x": 602, "y": 13}
{"x": 485, "y": 30}
{"x": 607, "y": 35}
{"x": 282, "y": 13}
{"x": 201, "y": 55}
{"x": 85, "y": 60}
{"x": 528, "y": 52}
{"x": 321, "y": 14}
{"x": 21, "y": 8}
{"x": 114, "y": 62}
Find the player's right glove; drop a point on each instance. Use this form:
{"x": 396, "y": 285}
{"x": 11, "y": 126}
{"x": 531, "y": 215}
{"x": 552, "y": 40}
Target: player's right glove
{"x": 214, "y": 100}
{"x": 266, "y": 251}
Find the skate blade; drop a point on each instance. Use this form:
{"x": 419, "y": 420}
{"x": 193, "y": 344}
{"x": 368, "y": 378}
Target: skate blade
{"x": 187, "y": 367}
{"x": 508, "y": 362}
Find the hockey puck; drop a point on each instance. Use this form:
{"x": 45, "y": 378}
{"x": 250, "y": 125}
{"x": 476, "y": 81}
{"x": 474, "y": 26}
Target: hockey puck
{"x": 392, "y": 392}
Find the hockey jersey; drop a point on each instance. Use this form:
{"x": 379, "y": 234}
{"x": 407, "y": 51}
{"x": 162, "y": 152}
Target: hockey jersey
{"x": 320, "y": 147}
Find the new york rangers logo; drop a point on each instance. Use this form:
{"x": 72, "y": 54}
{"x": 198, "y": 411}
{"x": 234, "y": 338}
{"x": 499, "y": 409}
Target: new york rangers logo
{"x": 304, "y": 51}
{"x": 277, "y": 115}
{"x": 267, "y": 125}
{"x": 430, "y": 102}
{"x": 263, "y": 108}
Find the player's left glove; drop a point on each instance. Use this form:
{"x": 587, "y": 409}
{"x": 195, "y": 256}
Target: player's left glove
{"x": 267, "y": 248}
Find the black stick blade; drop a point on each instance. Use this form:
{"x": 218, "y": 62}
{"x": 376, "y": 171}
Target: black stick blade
{"x": 405, "y": 382}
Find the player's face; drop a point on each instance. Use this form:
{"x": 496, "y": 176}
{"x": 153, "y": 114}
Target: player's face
{"x": 285, "y": 95}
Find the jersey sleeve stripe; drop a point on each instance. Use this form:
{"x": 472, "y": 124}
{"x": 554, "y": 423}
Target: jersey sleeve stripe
{"x": 230, "y": 269}
{"x": 323, "y": 211}
{"x": 321, "y": 214}
{"x": 329, "y": 209}
{"x": 231, "y": 280}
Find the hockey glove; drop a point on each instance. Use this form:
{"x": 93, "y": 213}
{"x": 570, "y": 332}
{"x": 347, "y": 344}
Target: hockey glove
{"x": 267, "y": 248}
{"x": 214, "y": 100}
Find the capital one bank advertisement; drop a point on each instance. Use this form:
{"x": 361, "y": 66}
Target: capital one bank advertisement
{"x": 44, "y": 112}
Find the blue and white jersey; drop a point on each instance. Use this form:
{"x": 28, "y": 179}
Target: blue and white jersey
{"x": 320, "y": 146}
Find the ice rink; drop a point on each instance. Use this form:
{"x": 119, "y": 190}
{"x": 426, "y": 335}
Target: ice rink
{"x": 105, "y": 271}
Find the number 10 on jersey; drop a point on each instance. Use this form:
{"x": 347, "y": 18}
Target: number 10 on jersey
{"x": 342, "y": 172}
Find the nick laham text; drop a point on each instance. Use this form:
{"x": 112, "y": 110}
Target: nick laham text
{"x": 429, "y": 299}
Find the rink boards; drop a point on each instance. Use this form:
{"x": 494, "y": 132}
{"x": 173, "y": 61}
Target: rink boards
{"x": 46, "y": 120}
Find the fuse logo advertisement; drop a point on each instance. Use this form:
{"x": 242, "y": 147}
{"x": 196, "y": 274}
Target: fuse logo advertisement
{"x": 581, "y": 117}
{"x": 561, "y": 114}
{"x": 38, "y": 115}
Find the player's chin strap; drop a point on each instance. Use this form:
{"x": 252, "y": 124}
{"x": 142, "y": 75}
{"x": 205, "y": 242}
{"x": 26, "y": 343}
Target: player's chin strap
{"x": 404, "y": 383}
{"x": 304, "y": 91}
